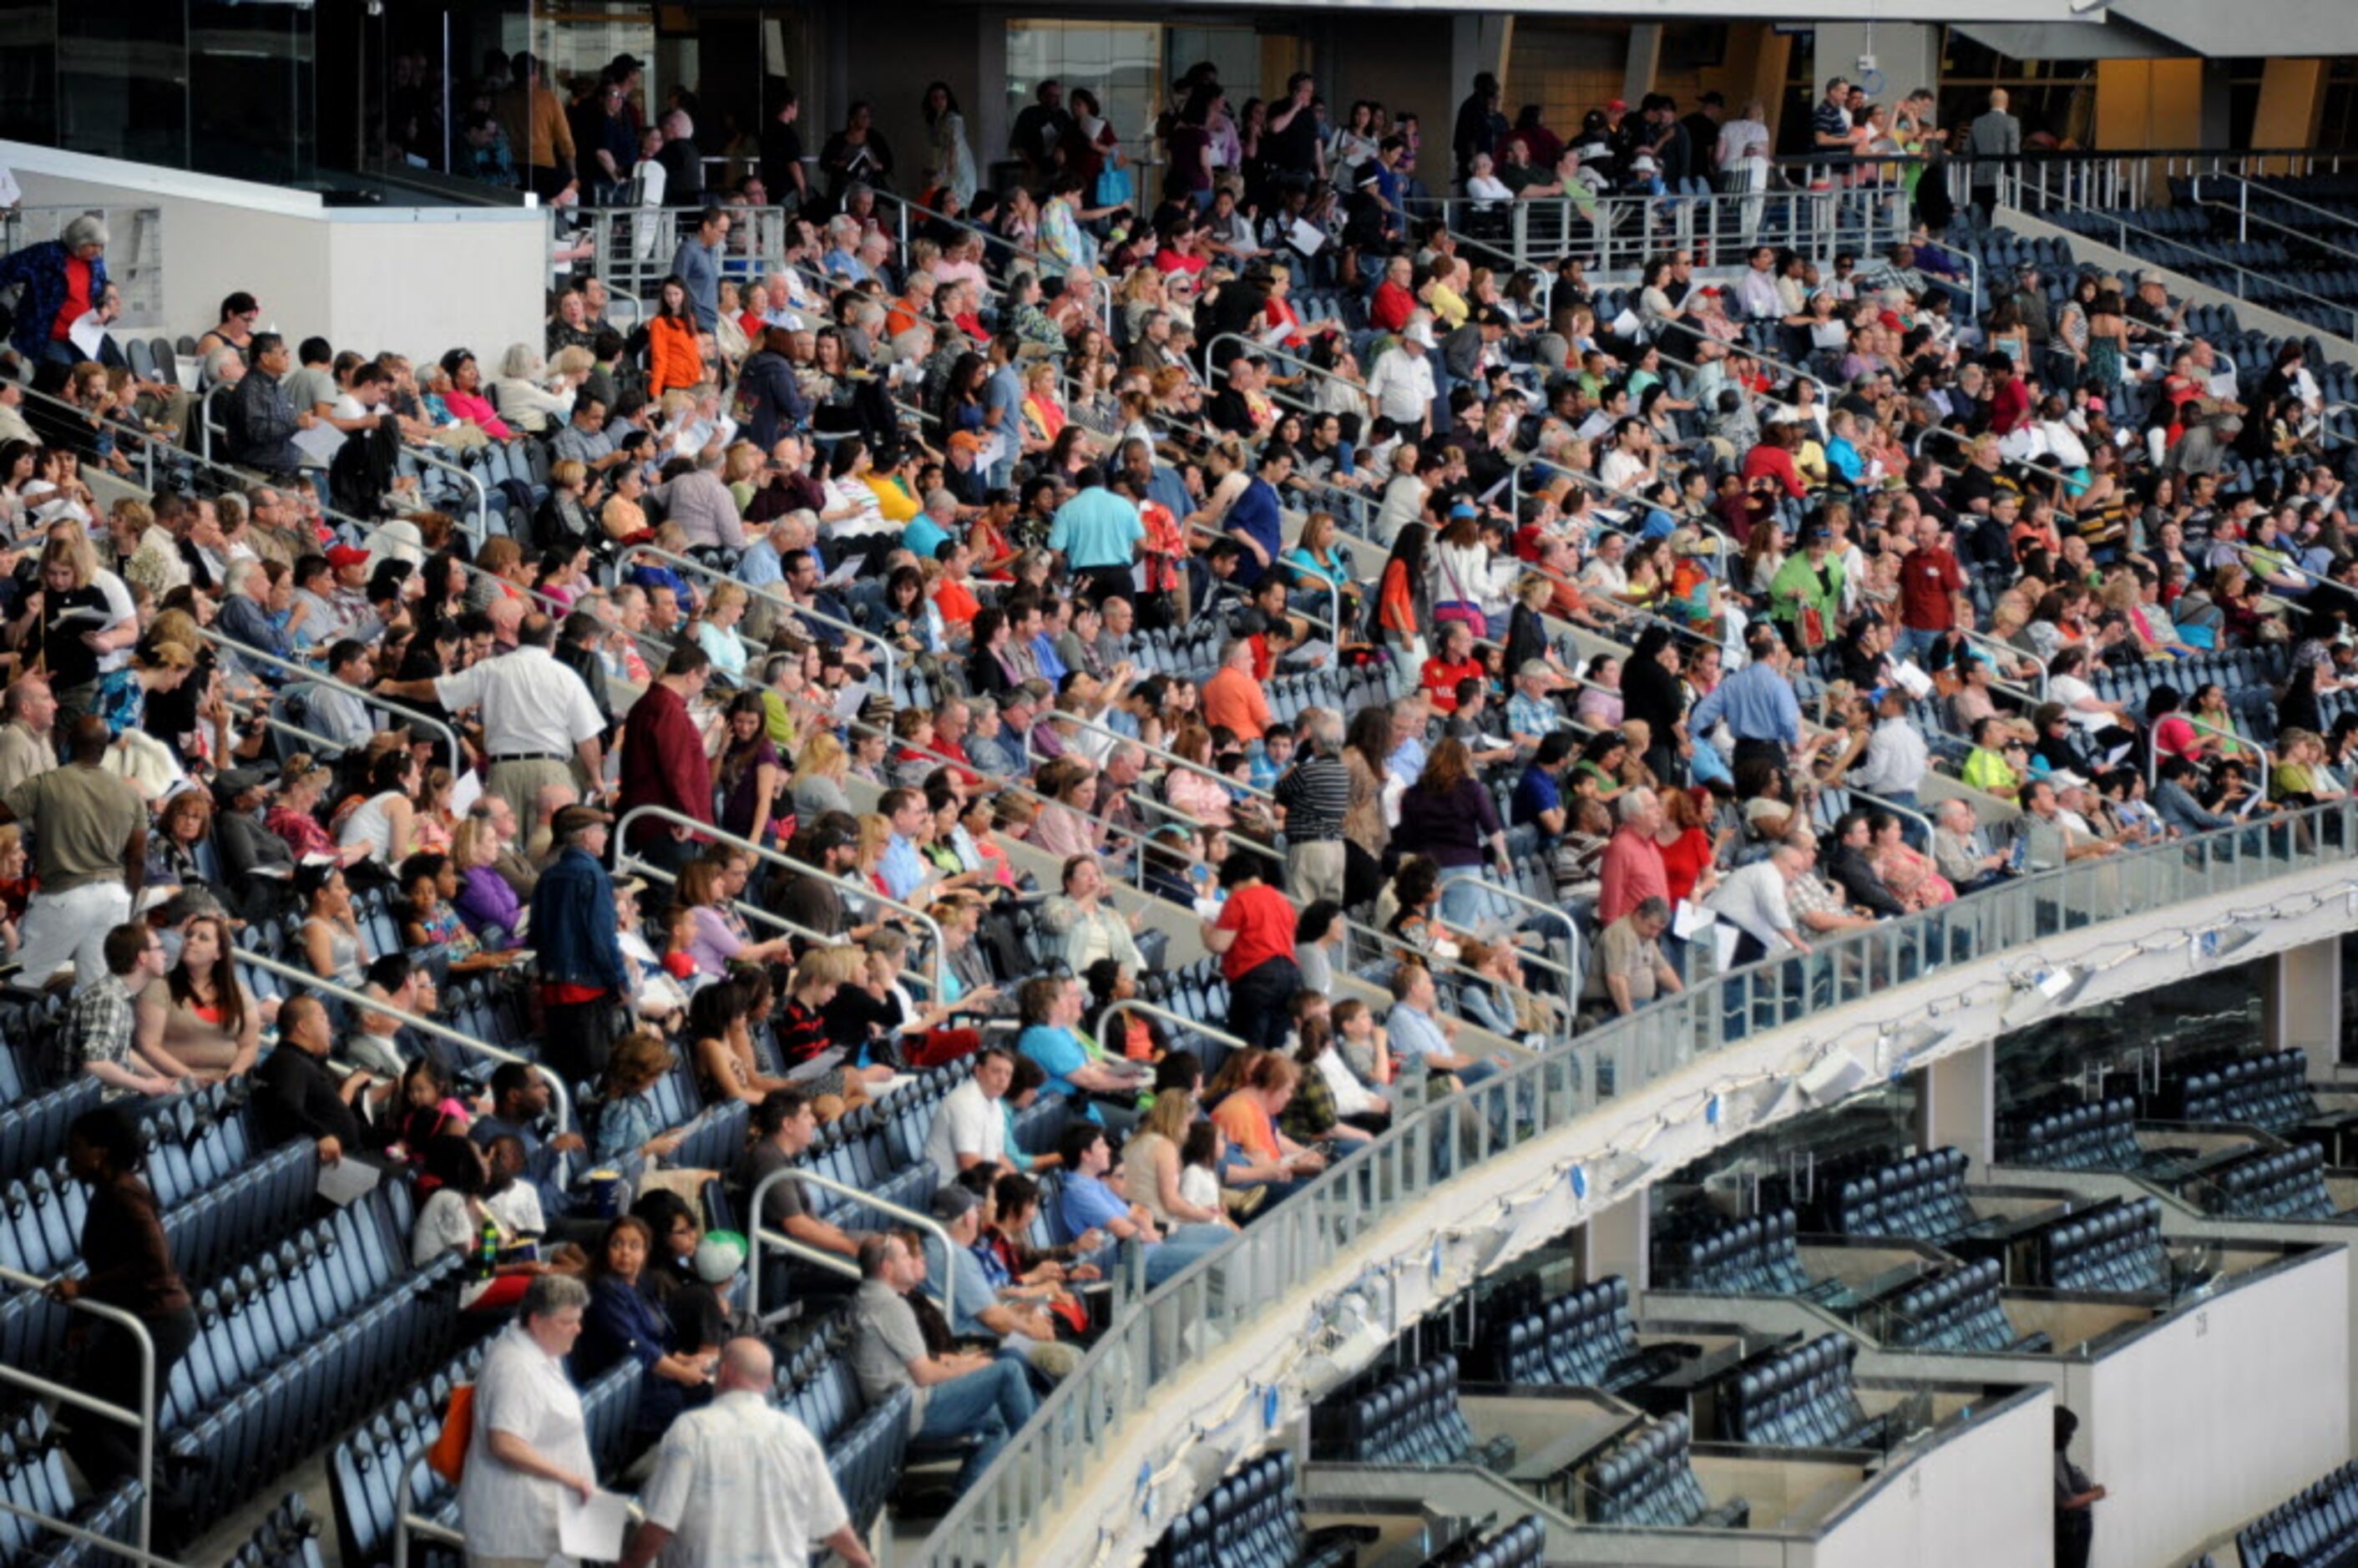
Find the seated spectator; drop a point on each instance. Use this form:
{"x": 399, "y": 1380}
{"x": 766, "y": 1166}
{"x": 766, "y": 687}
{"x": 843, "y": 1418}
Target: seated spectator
{"x": 626, "y": 1122}
{"x": 963, "y": 1396}
{"x": 1011, "y": 1315}
{"x": 1089, "y": 1204}
{"x": 468, "y": 1213}
{"x": 624, "y": 1321}
{"x": 100, "y": 1037}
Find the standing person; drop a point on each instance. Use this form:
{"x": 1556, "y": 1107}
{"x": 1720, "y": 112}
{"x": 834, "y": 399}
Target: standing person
{"x": 530, "y": 1442}
{"x": 540, "y": 723}
{"x": 1993, "y": 142}
{"x": 128, "y": 1266}
{"x": 1315, "y": 794}
{"x": 586, "y": 983}
{"x": 2075, "y": 1497}
{"x": 664, "y": 762}
{"x": 782, "y": 154}
{"x": 697, "y": 265}
{"x": 741, "y": 1482}
{"x": 1254, "y": 938}
{"x": 534, "y": 117}
{"x": 90, "y": 843}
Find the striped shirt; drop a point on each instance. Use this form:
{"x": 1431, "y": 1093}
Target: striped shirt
{"x": 1316, "y": 794}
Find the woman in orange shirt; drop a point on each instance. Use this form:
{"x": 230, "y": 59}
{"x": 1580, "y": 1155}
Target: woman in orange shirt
{"x": 1249, "y": 1117}
{"x": 1400, "y": 591}
{"x": 674, "y": 357}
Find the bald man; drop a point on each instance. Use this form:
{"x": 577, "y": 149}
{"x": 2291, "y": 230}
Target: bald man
{"x": 739, "y": 1481}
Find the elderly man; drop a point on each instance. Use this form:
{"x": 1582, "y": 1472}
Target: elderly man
{"x": 30, "y": 709}
{"x": 713, "y": 1462}
{"x": 1232, "y": 698}
{"x": 1315, "y": 795}
{"x": 1632, "y": 869}
{"x": 1628, "y": 969}
{"x": 1960, "y": 851}
{"x": 1756, "y": 902}
{"x": 263, "y": 421}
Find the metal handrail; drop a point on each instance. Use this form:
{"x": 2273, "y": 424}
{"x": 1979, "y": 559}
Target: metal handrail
{"x": 144, "y": 1419}
{"x": 802, "y": 868}
{"x": 1277, "y": 1259}
{"x": 770, "y": 592}
{"x": 1972, "y": 267}
{"x": 2242, "y": 209}
{"x": 321, "y": 678}
{"x": 2315, "y": 579}
{"x": 1155, "y": 1009}
{"x": 561, "y": 1102}
{"x": 1967, "y": 442}
{"x": 909, "y": 1217}
{"x": 108, "y": 1546}
{"x": 482, "y": 528}
{"x": 2267, "y": 757}
{"x": 2019, "y": 692}
{"x": 2123, "y": 229}
{"x": 1032, "y": 755}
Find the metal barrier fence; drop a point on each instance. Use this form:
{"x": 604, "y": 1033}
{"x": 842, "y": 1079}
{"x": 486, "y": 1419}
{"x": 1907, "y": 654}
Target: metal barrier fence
{"x": 1223, "y": 1295}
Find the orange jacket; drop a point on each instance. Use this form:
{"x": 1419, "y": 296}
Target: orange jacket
{"x": 673, "y": 357}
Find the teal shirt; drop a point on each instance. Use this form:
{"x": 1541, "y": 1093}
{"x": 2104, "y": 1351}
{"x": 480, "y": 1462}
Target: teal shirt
{"x": 1097, "y": 528}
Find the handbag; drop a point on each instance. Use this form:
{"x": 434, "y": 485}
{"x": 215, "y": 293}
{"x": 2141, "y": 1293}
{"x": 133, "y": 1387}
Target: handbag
{"x": 448, "y": 1456}
{"x": 1113, "y": 187}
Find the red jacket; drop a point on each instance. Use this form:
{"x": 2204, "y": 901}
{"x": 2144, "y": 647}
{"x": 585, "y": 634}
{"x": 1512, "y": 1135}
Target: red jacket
{"x": 664, "y": 762}
{"x": 1391, "y": 307}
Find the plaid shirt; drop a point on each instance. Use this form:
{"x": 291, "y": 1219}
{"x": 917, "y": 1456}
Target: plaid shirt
{"x": 1310, "y": 1115}
{"x": 1811, "y": 894}
{"x": 98, "y": 1028}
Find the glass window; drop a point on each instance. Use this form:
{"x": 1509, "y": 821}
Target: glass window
{"x": 123, "y": 87}
{"x": 28, "y": 67}
{"x": 1120, "y": 62}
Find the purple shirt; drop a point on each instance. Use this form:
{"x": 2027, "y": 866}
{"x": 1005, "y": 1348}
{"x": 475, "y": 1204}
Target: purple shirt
{"x": 485, "y": 900}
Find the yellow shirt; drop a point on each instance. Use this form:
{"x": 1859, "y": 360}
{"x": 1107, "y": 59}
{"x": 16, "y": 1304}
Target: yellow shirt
{"x": 893, "y": 498}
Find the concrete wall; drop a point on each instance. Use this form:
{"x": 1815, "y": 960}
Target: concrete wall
{"x": 417, "y": 281}
{"x": 1984, "y": 1495}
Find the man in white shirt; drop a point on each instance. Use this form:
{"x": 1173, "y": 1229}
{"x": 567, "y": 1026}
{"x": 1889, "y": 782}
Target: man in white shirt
{"x": 539, "y": 720}
{"x": 1896, "y": 756}
{"x": 970, "y": 1128}
{"x": 1401, "y": 386}
{"x": 1756, "y": 291}
{"x": 741, "y": 1482}
{"x": 1753, "y": 900}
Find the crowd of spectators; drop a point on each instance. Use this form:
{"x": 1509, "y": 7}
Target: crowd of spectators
{"x": 1061, "y": 578}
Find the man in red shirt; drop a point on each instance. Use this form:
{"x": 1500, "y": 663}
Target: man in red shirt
{"x": 1633, "y": 860}
{"x": 1393, "y": 304}
{"x": 1455, "y": 663}
{"x": 1254, "y": 938}
{"x": 1931, "y": 587}
{"x": 662, "y": 760}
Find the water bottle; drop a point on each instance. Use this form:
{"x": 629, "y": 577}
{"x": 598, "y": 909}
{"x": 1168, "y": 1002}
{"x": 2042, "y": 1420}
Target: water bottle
{"x": 487, "y": 1251}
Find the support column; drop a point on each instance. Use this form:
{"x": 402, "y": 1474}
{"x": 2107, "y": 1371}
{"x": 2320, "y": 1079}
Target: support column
{"x": 1619, "y": 1240}
{"x": 1476, "y": 43}
{"x": 1644, "y": 60}
{"x": 1758, "y": 57}
{"x": 1956, "y": 1105}
{"x": 2300, "y": 1004}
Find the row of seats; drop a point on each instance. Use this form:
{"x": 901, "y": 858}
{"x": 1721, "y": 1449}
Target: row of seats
{"x": 289, "y": 1538}
{"x": 297, "y": 1345}
{"x": 1752, "y": 1255}
{"x": 2095, "y": 1137}
{"x": 1959, "y": 1311}
{"x": 865, "y": 1442}
{"x": 365, "y": 1466}
{"x": 2116, "y": 1247}
{"x": 2316, "y": 1527}
{"x": 1585, "y": 1339}
{"x": 33, "y": 1477}
{"x": 1522, "y": 1544}
{"x": 1410, "y": 1417}
{"x": 1648, "y": 1479}
{"x": 1923, "y": 1196}
{"x": 1800, "y": 1397}
{"x": 2277, "y": 1184}
{"x": 2270, "y": 1091}
{"x": 1253, "y": 1519}
{"x": 33, "y": 1129}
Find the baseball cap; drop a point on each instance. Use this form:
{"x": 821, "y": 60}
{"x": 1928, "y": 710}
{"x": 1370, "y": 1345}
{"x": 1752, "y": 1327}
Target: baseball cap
{"x": 343, "y": 555}
{"x": 1617, "y": 106}
{"x": 967, "y": 439}
{"x": 231, "y": 782}
{"x": 2148, "y": 275}
{"x": 954, "y": 1202}
{"x": 1464, "y": 509}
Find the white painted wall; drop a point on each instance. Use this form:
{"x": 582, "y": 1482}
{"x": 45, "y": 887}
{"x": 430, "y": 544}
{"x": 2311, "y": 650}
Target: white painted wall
{"x": 2219, "y": 1412}
{"x": 416, "y": 280}
{"x": 1983, "y": 1496}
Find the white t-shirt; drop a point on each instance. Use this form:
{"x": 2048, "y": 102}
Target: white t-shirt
{"x": 2070, "y": 690}
{"x": 1351, "y": 1097}
{"x": 967, "y": 1123}
{"x": 1199, "y": 1187}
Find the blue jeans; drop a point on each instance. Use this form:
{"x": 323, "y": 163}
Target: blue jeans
{"x": 1461, "y": 895}
{"x": 1914, "y": 642}
{"x": 1181, "y": 1248}
{"x": 991, "y": 1404}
